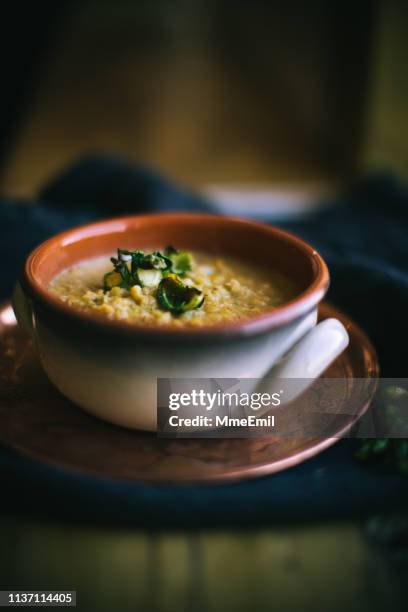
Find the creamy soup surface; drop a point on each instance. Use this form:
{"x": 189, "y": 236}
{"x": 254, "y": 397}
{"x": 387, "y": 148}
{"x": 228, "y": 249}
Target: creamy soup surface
{"x": 232, "y": 290}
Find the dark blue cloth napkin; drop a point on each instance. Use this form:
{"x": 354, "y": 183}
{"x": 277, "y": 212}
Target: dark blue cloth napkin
{"x": 363, "y": 236}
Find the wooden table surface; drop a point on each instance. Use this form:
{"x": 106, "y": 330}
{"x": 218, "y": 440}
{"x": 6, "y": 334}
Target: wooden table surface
{"x": 312, "y": 568}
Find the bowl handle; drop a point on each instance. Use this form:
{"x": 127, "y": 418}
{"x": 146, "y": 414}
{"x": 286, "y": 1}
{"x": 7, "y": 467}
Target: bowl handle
{"x": 22, "y": 309}
{"x": 308, "y": 358}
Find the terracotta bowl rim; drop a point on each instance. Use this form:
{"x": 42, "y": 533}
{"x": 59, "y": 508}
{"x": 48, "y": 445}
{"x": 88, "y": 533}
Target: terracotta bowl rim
{"x": 303, "y": 303}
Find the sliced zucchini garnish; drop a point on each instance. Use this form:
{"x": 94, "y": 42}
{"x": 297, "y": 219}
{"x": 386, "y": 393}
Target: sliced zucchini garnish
{"x": 112, "y": 279}
{"x": 196, "y": 299}
{"x": 148, "y": 278}
{"x": 176, "y": 297}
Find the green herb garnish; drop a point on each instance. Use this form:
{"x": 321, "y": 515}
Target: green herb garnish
{"x": 393, "y": 400}
{"x": 155, "y": 260}
{"x": 393, "y": 452}
{"x": 182, "y": 261}
{"x": 156, "y": 270}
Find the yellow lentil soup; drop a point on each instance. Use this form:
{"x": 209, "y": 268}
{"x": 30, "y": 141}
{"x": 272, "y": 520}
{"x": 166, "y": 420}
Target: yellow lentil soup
{"x": 231, "y": 289}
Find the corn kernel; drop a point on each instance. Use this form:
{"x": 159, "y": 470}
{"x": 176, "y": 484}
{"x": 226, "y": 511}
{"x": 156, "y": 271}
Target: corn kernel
{"x": 136, "y": 293}
{"x": 116, "y": 291}
{"x": 106, "y": 309}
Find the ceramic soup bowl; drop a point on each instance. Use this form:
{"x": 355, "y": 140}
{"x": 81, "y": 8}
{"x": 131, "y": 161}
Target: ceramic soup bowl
{"x": 110, "y": 367}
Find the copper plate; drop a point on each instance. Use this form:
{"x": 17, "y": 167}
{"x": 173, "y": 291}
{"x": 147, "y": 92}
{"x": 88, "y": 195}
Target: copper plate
{"x": 39, "y": 422}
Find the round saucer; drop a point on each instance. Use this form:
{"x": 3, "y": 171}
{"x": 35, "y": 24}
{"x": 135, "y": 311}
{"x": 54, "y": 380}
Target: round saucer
{"x": 35, "y": 419}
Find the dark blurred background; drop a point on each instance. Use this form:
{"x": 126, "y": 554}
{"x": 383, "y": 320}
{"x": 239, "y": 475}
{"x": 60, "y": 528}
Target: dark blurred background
{"x": 241, "y": 93}
{"x": 208, "y": 91}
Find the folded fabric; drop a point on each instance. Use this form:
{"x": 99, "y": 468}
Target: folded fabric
{"x": 363, "y": 236}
